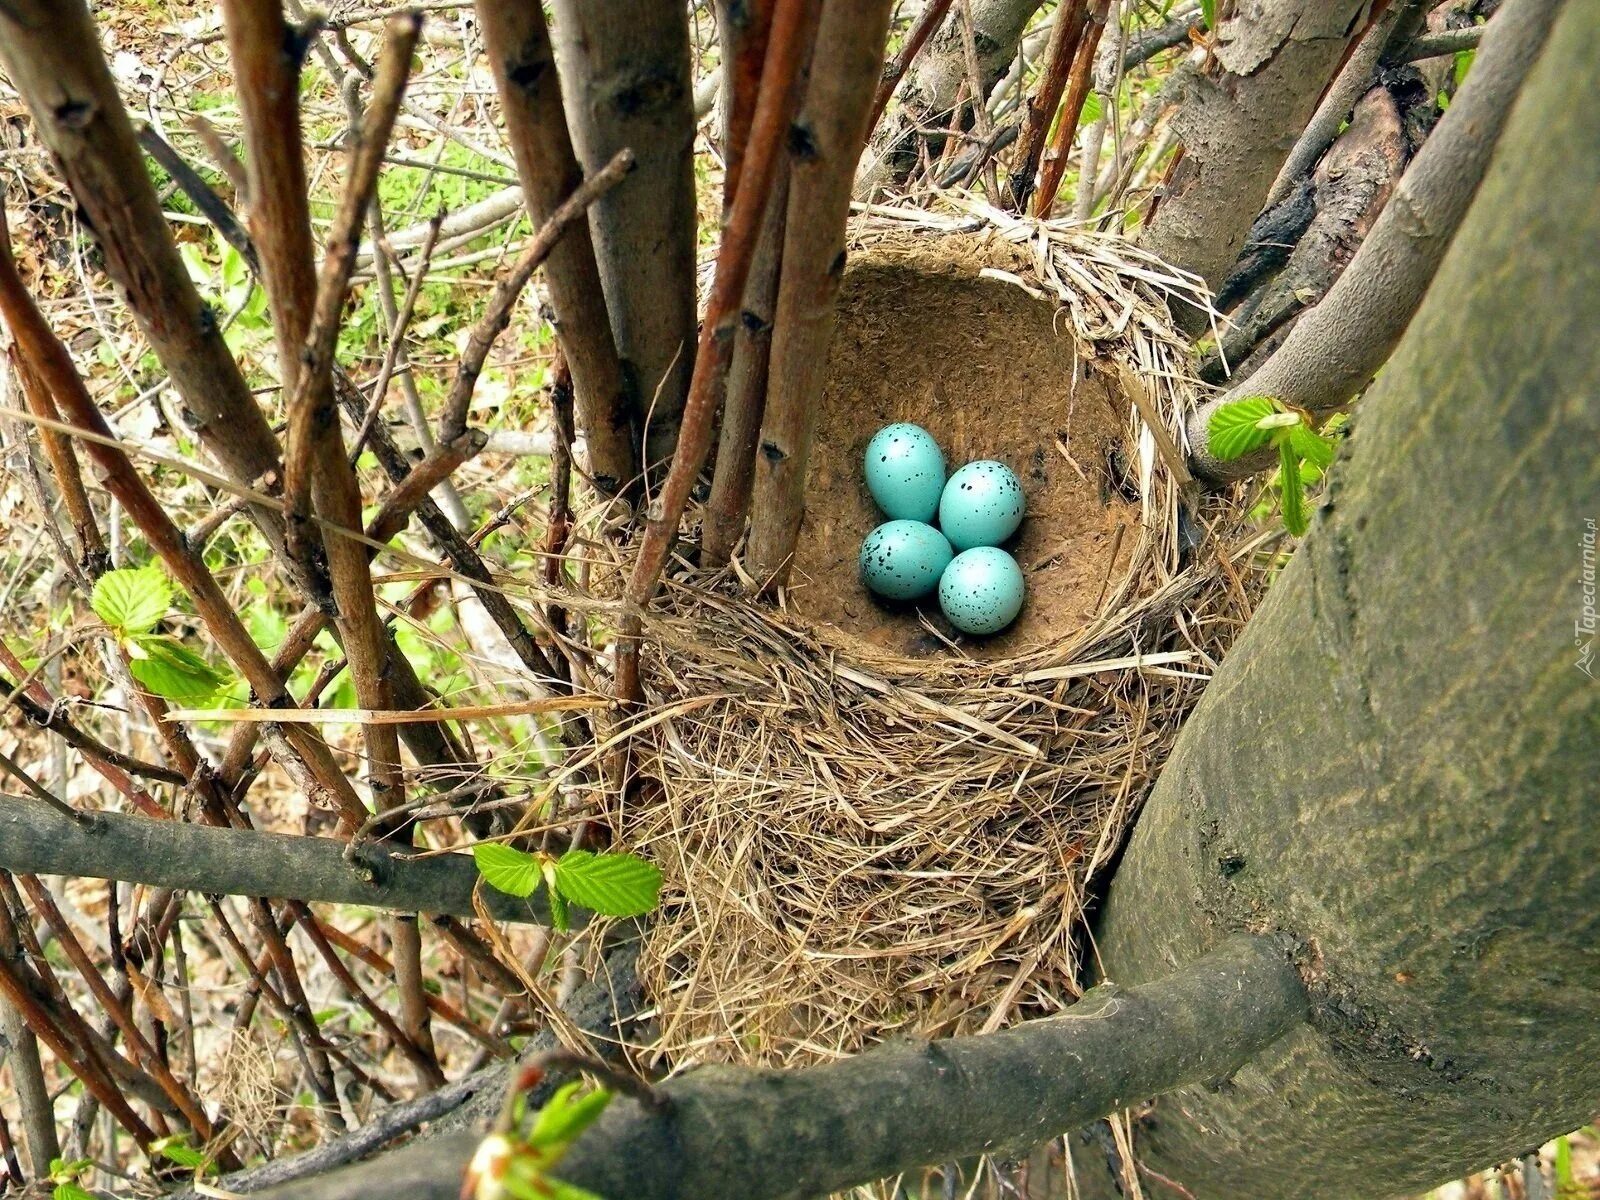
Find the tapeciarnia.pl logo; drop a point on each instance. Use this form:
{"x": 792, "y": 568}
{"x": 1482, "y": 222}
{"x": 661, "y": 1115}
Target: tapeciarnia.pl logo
{"x": 1584, "y": 628}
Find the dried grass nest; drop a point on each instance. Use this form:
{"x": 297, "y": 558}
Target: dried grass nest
{"x": 858, "y": 841}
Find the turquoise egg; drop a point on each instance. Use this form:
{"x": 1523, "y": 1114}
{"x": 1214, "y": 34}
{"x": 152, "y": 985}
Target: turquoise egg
{"x": 981, "y": 590}
{"x": 981, "y": 505}
{"x": 901, "y": 560}
{"x": 905, "y": 472}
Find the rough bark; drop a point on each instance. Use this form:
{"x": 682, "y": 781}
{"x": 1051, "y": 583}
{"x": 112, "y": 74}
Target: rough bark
{"x": 625, "y": 75}
{"x": 518, "y": 46}
{"x": 1338, "y": 346}
{"x": 1237, "y": 128}
{"x": 1396, "y": 764}
{"x": 824, "y": 148}
{"x": 1350, "y": 188}
{"x": 35, "y": 840}
{"x": 928, "y": 96}
{"x": 733, "y": 1134}
{"x": 1353, "y": 82}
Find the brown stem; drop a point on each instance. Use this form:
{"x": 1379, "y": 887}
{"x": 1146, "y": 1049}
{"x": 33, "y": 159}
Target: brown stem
{"x": 44, "y": 903}
{"x": 1071, "y": 17}
{"x": 746, "y": 399}
{"x": 425, "y": 1062}
{"x": 1078, "y": 83}
{"x": 93, "y": 558}
{"x": 52, "y": 53}
{"x": 918, "y": 37}
{"x": 498, "y": 314}
{"x": 518, "y": 46}
{"x": 78, "y": 1058}
{"x": 440, "y": 1008}
{"x": 830, "y": 131}
{"x": 745, "y": 28}
{"x": 794, "y": 26}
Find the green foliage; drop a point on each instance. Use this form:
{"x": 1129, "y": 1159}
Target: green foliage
{"x": 507, "y": 1165}
{"x": 505, "y": 869}
{"x": 64, "y": 1175}
{"x": 176, "y": 1149}
{"x": 1208, "y": 13}
{"x": 1254, "y": 422}
{"x": 618, "y": 885}
{"x": 132, "y": 602}
{"x": 613, "y": 885}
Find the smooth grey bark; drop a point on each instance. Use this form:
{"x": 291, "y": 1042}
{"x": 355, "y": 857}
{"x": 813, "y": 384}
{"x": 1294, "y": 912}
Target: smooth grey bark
{"x": 36, "y": 840}
{"x": 738, "y": 1134}
{"x": 33, "y": 1097}
{"x": 927, "y": 95}
{"x": 1236, "y": 129}
{"x": 1396, "y": 764}
{"x": 624, "y": 67}
{"x": 1338, "y": 346}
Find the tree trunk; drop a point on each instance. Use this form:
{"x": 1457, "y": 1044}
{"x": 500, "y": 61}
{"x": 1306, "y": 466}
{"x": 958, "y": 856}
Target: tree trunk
{"x": 518, "y": 46}
{"x": 1396, "y": 765}
{"x": 625, "y": 75}
{"x": 1236, "y": 129}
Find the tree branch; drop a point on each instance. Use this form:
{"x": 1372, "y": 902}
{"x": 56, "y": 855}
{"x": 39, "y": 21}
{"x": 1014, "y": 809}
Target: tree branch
{"x": 1338, "y": 346}
{"x": 764, "y": 1135}
{"x": 244, "y": 862}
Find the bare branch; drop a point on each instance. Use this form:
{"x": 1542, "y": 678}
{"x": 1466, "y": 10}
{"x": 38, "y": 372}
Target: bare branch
{"x": 759, "y": 1135}
{"x": 245, "y": 862}
{"x": 498, "y": 314}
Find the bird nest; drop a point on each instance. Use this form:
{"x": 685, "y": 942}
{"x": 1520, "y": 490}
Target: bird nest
{"x": 868, "y": 824}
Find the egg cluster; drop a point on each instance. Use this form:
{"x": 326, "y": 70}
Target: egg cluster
{"x": 980, "y": 588}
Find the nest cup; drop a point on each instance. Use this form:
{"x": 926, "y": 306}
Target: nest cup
{"x": 867, "y": 823}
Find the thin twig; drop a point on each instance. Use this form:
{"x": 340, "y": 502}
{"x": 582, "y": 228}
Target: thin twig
{"x": 498, "y": 315}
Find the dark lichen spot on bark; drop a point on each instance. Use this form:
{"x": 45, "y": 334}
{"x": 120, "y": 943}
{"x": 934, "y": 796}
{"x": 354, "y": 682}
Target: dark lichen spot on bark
{"x": 754, "y": 323}
{"x": 772, "y": 452}
{"x": 74, "y": 114}
{"x": 802, "y": 142}
{"x": 836, "y": 268}
{"x": 1230, "y": 864}
{"x": 526, "y": 72}
{"x": 649, "y": 92}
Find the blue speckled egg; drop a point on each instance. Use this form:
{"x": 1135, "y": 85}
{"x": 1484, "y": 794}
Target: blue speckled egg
{"x": 901, "y": 560}
{"x": 981, "y": 505}
{"x": 981, "y": 590}
{"x": 905, "y": 472}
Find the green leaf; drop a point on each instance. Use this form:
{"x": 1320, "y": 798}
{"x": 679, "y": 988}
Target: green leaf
{"x": 567, "y": 1191}
{"x": 174, "y": 672}
{"x": 71, "y": 1191}
{"x": 1311, "y": 446}
{"x": 567, "y": 1114}
{"x": 615, "y": 885}
{"x": 1233, "y": 430}
{"x": 1208, "y": 10}
{"x": 132, "y": 600}
{"x": 505, "y": 869}
{"x": 559, "y": 917}
{"x": 1295, "y": 517}
{"x": 177, "y": 1149}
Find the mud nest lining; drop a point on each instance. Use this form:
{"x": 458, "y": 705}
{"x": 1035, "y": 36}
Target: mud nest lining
{"x": 867, "y": 824}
